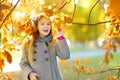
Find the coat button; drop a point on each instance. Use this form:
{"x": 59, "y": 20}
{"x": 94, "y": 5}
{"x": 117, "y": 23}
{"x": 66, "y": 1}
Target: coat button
{"x": 47, "y": 59}
{"x": 34, "y": 59}
{"x": 35, "y": 45}
{"x": 35, "y": 52}
{"x": 45, "y": 51}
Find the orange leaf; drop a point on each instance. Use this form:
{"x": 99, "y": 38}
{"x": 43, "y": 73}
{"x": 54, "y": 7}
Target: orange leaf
{"x": 106, "y": 55}
{"x": 4, "y": 6}
{"x": 8, "y": 56}
{"x": 67, "y": 20}
{"x": 9, "y": 78}
{"x": 83, "y": 69}
{"x": 85, "y": 60}
{"x": 113, "y": 8}
{"x": 4, "y": 40}
{"x": 63, "y": 62}
{"x": 77, "y": 60}
{"x": 1, "y": 63}
{"x": 106, "y": 46}
{"x": 48, "y": 10}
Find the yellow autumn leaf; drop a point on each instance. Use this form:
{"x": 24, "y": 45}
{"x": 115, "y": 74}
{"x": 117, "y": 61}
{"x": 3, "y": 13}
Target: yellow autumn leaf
{"x": 112, "y": 77}
{"x": 106, "y": 46}
{"x": 77, "y": 61}
{"x": 85, "y": 61}
{"x": 92, "y": 70}
{"x": 63, "y": 62}
{"x": 2, "y": 55}
{"x": 9, "y": 47}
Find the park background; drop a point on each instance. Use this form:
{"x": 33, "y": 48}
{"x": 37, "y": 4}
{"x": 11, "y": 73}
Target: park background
{"x": 91, "y": 29}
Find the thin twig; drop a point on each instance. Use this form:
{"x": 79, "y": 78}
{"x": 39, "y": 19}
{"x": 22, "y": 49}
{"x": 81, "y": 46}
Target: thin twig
{"x": 62, "y": 6}
{"x": 103, "y": 71}
{"x": 74, "y": 11}
{"x": 91, "y": 24}
{"x": 118, "y": 73}
{"x": 69, "y": 1}
{"x": 92, "y": 10}
{"x": 9, "y": 13}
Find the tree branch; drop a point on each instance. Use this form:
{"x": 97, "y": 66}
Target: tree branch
{"x": 9, "y": 13}
{"x": 99, "y": 72}
{"x": 91, "y": 11}
{"x": 119, "y": 73}
{"x": 69, "y": 1}
{"x": 91, "y": 24}
{"x": 62, "y": 6}
{"x": 74, "y": 11}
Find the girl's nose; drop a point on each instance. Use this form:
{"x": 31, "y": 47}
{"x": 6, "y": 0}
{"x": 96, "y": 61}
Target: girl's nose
{"x": 46, "y": 25}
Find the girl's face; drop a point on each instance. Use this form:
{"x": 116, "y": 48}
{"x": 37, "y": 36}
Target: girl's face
{"x": 44, "y": 26}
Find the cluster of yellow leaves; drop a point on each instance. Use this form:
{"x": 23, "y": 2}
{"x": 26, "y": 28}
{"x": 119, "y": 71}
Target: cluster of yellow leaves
{"x": 79, "y": 67}
{"x": 112, "y": 32}
{"x": 5, "y": 9}
{"x": 50, "y": 10}
{"x": 59, "y": 20}
{"x": 26, "y": 26}
{"x": 63, "y": 62}
{"x": 112, "y": 77}
{"x": 112, "y": 37}
{"x": 6, "y": 6}
{"x": 5, "y": 53}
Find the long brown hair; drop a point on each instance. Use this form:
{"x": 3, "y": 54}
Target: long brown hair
{"x": 29, "y": 45}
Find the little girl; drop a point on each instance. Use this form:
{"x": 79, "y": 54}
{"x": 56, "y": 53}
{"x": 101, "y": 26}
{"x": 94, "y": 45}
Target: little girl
{"x": 39, "y": 57}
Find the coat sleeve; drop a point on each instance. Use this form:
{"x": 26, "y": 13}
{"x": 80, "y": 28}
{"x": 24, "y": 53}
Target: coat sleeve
{"x": 62, "y": 49}
{"x": 24, "y": 64}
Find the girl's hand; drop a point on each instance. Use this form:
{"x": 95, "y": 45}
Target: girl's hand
{"x": 33, "y": 76}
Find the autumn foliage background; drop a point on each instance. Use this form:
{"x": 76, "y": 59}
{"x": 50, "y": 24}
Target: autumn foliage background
{"x": 16, "y": 27}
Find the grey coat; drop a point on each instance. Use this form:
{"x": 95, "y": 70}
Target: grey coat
{"x": 45, "y": 61}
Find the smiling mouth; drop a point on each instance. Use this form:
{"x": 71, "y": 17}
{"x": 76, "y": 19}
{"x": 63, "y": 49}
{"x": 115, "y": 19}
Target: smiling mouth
{"x": 45, "y": 30}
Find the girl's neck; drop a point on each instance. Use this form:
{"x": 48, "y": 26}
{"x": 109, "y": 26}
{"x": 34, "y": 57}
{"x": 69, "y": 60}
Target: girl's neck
{"x": 42, "y": 36}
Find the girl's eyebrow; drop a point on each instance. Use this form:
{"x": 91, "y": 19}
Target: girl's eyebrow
{"x": 45, "y": 22}
{"x": 42, "y": 22}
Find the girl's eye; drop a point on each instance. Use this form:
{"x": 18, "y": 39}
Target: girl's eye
{"x": 42, "y": 24}
{"x": 48, "y": 24}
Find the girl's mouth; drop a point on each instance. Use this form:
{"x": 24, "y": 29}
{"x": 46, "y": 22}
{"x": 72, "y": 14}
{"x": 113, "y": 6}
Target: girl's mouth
{"x": 45, "y": 30}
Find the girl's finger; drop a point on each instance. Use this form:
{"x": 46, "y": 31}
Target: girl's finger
{"x": 35, "y": 79}
{"x": 37, "y": 75}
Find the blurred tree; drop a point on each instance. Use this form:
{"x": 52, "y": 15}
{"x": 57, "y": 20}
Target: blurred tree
{"x": 83, "y": 30}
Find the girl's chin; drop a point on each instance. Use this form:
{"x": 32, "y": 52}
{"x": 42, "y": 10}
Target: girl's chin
{"x": 46, "y": 34}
